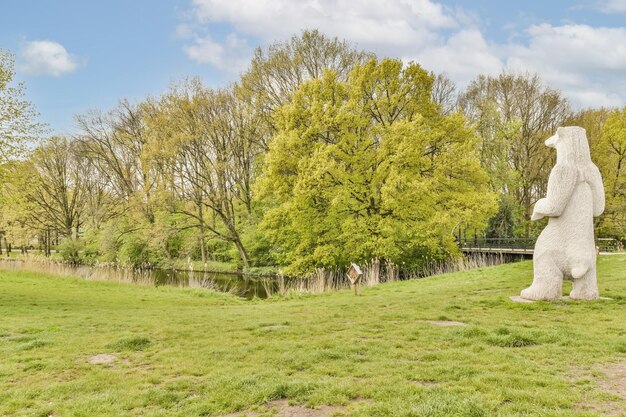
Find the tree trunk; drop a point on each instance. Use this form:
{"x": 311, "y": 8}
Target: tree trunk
{"x": 202, "y": 246}
{"x": 529, "y": 213}
{"x": 242, "y": 252}
{"x": 76, "y": 229}
{"x": 202, "y": 233}
{"x": 47, "y": 241}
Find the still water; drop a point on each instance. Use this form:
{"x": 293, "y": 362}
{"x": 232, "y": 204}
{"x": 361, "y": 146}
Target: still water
{"x": 246, "y": 286}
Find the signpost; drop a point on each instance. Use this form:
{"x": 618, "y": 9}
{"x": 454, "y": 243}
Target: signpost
{"x": 354, "y": 275}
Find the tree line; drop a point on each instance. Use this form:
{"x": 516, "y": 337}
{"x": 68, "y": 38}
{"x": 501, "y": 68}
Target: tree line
{"x": 320, "y": 155}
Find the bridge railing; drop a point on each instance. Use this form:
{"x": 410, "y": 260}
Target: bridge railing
{"x": 609, "y": 245}
{"x": 526, "y": 244}
{"x": 497, "y": 243}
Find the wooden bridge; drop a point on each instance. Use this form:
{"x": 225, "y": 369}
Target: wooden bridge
{"x": 522, "y": 246}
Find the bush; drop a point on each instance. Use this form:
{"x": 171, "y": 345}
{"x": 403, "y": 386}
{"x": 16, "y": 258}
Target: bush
{"x": 134, "y": 251}
{"x": 71, "y": 251}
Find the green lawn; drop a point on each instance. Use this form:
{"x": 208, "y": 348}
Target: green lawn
{"x": 195, "y": 353}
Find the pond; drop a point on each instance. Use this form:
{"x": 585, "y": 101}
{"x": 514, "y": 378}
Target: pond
{"x": 241, "y": 285}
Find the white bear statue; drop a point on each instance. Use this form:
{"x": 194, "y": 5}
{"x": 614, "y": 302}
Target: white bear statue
{"x": 566, "y": 248}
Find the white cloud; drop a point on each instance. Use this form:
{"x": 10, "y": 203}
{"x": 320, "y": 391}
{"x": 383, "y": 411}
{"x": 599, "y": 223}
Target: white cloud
{"x": 184, "y": 31}
{"x": 231, "y": 56}
{"x": 381, "y": 25}
{"x": 359, "y": 20}
{"x": 586, "y": 62}
{"x": 464, "y": 55}
{"x": 613, "y": 5}
{"x": 206, "y": 51}
{"x": 46, "y": 58}
{"x": 575, "y": 47}
{"x": 595, "y": 96}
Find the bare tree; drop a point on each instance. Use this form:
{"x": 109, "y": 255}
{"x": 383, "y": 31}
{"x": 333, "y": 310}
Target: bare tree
{"x": 58, "y": 195}
{"x": 444, "y": 93}
{"x": 114, "y": 143}
{"x": 514, "y": 114}
{"x": 214, "y": 144}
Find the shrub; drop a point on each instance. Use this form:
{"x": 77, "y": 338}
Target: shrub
{"x": 71, "y": 251}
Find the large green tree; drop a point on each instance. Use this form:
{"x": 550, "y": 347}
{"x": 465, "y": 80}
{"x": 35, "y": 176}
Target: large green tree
{"x": 606, "y": 132}
{"x": 370, "y": 167}
{"x": 612, "y": 147}
{"x": 18, "y": 129}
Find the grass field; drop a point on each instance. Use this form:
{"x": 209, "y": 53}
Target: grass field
{"x": 390, "y": 352}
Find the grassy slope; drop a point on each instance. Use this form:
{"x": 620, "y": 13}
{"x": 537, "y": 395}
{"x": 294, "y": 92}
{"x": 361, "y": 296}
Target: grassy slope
{"x": 210, "y": 354}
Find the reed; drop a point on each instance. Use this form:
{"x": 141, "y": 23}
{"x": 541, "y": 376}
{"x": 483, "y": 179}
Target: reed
{"x": 115, "y": 273}
{"x": 321, "y": 280}
{"x": 475, "y": 261}
{"x": 375, "y": 272}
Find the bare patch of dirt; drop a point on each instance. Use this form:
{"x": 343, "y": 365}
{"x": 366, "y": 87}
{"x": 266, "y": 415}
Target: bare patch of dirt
{"x": 102, "y": 358}
{"x": 611, "y": 379}
{"x": 281, "y": 408}
{"x": 614, "y": 381}
{"x": 445, "y": 323}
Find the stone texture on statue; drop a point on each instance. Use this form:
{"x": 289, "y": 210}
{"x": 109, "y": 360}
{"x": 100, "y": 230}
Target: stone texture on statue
{"x": 566, "y": 249}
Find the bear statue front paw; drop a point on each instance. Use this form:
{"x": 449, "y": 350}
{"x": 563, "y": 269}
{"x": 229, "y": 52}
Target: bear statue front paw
{"x": 536, "y": 216}
{"x": 537, "y": 293}
{"x": 540, "y": 209}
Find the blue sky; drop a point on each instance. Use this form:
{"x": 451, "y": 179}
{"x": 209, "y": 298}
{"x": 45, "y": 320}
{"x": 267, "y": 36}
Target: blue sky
{"x": 78, "y": 55}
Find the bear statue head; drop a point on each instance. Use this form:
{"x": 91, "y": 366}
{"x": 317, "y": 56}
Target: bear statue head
{"x": 572, "y": 148}
{"x": 571, "y": 145}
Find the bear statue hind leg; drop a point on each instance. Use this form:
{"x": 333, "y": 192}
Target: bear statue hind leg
{"x": 547, "y": 282}
{"x": 586, "y": 287}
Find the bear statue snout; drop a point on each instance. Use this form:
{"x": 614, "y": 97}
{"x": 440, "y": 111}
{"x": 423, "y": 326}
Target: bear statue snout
{"x": 551, "y": 141}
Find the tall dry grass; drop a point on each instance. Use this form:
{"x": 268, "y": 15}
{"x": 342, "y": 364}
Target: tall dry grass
{"x": 474, "y": 261}
{"x": 97, "y": 273}
{"x": 375, "y": 272}
{"x": 115, "y": 273}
